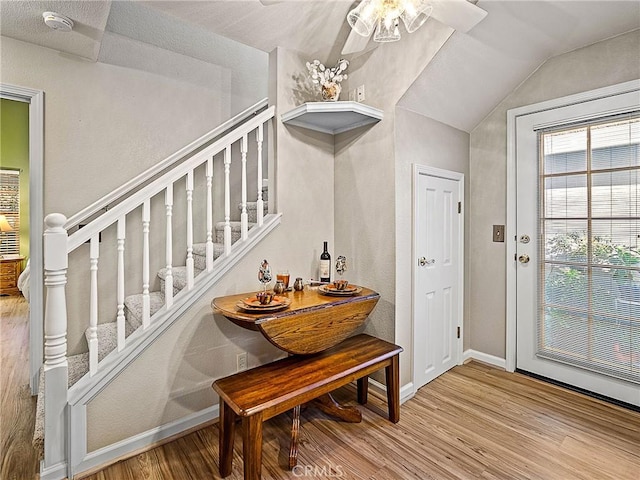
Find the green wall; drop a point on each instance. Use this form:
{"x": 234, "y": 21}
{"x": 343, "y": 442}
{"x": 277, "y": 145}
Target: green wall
{"x": 14, "y": 154}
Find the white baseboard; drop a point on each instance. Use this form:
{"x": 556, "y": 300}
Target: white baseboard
{"x": 137, "y": 443}
{"x": 55, "y": 472}
{"x": 484, "y": 358}
{"x": 406, "y": 392}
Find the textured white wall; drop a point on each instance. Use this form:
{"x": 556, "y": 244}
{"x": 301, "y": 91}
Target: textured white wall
{"x": 105, "y": 124}
{"x": 605, "y": 63}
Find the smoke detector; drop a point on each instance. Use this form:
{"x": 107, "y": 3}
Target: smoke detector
{"x": 57, "y": 22}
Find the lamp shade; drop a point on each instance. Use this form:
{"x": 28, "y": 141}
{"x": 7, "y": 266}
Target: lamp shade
{"x": 4, "y": 224}
{"x": 387, "y": 30}
{"x": 416, "y": 12}
{"x": 363, "y": 18}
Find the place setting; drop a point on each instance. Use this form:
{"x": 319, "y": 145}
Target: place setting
{"x": 266, "y": 301}
{"x": 340, "y": 287}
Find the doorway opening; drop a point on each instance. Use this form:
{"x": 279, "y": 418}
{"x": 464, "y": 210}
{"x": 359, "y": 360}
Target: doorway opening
{"x": 35, "y": 99}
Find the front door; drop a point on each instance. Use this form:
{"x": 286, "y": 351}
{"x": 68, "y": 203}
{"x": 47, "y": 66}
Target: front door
{"x": 578, "y": 239}
{"x": 437, "y": 272}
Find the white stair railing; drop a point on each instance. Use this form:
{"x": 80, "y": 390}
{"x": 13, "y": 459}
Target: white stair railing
{"x": 135, "y": 212}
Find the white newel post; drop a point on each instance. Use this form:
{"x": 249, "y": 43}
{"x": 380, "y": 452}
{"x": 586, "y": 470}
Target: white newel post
{"x": 55, "y": 340}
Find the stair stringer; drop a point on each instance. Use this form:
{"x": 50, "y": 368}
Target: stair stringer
{"x": 88, "y": 387}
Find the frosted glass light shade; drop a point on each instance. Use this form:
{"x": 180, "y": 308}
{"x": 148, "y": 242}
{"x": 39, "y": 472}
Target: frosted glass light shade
{"x": 416, "y": 12}
{"x": 363, "y": 18}
{"x": 387, "y": 31}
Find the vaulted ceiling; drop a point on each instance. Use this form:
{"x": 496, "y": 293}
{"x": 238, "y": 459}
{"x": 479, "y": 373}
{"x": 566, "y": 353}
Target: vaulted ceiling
{"x": 464, "y": 82}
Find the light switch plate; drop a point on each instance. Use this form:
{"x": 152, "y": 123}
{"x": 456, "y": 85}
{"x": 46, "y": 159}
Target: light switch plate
{"x": 498, "y": 233}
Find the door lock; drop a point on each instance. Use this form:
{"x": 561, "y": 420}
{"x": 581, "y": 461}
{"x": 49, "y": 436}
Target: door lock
{"x": 524, "y": 258}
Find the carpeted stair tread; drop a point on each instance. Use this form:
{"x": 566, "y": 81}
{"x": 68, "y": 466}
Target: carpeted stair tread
{"x": 133, "y": 307}
{"x": 107, "y": 338}
{"x": 252, "y": 210}
{"x": 236, "y": 231}
{"x": 179, "y": 277}
{"x": 200, "y": 254}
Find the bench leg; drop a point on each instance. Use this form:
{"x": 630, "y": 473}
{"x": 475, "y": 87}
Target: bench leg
{"x": 295, "y": 430}
{"x": 363, "y": 390}
{"x": 252, "y": 446}
{"x": 226, "y": 437}
{"x": 392, "y": 377}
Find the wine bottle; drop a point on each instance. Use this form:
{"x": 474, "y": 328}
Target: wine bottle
{"x": 325, "y": 265}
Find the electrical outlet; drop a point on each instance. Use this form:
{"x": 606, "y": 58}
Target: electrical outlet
{"x": 352, "y": 95}
{"x": 241, "y": 361}
{"x": 360, "y": 93}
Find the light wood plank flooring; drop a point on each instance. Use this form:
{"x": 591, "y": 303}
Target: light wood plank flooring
{"x": 18, "y": 460}
{"x": 472, "y": 422}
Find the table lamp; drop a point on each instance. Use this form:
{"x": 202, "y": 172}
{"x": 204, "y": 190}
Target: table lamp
{"x": 4, "y": 227}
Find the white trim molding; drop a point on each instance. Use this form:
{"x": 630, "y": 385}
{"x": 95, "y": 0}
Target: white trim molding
{"x": 484, "y": 358}
{"x": 138, "y": 443}
{"x": 511, "y": 226}
{"x": 35, "y": 99}
{"x": 407, "y": 392}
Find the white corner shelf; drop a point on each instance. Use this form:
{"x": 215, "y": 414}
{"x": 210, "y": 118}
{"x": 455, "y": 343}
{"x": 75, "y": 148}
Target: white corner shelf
{"x": 332, "y": 117}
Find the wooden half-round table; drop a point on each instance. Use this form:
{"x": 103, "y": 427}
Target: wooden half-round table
{"x": 313, "y": 322}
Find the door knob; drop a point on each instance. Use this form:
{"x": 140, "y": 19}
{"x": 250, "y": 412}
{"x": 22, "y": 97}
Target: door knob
{"x": 422, "y": 261}
{"x": 524, "y": 258}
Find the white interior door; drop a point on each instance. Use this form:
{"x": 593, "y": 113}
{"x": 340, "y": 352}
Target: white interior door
{"x": 437, "y": 272}
{"x": 577, "y": 233}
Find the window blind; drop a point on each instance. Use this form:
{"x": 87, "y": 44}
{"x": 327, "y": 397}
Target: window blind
{"x": 590, "y": 246}
{"x": 10, "y": 208}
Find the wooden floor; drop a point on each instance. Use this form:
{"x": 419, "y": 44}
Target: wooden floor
{"x": 472, "y": 422}
{"x": 17, "y": 407}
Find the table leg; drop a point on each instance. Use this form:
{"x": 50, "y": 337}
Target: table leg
{"x": 363, "y": 390}
{"x": 226, "y": 436}
{"x": 392, "y": 378}
{"x": 252, "y": 446}
{"x": 295, "y": 430}
{"x": 327, "y": 404}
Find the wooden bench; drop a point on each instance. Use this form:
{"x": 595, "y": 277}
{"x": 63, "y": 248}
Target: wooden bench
{"x": 261, "y": 393}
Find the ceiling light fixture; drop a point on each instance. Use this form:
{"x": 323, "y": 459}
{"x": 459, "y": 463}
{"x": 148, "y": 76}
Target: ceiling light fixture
{"x": 385, "y": 16}
{"x": 57, "y": 22}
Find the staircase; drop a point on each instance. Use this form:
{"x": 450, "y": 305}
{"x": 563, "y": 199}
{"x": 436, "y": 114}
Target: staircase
{"x": 68, "y": 383}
